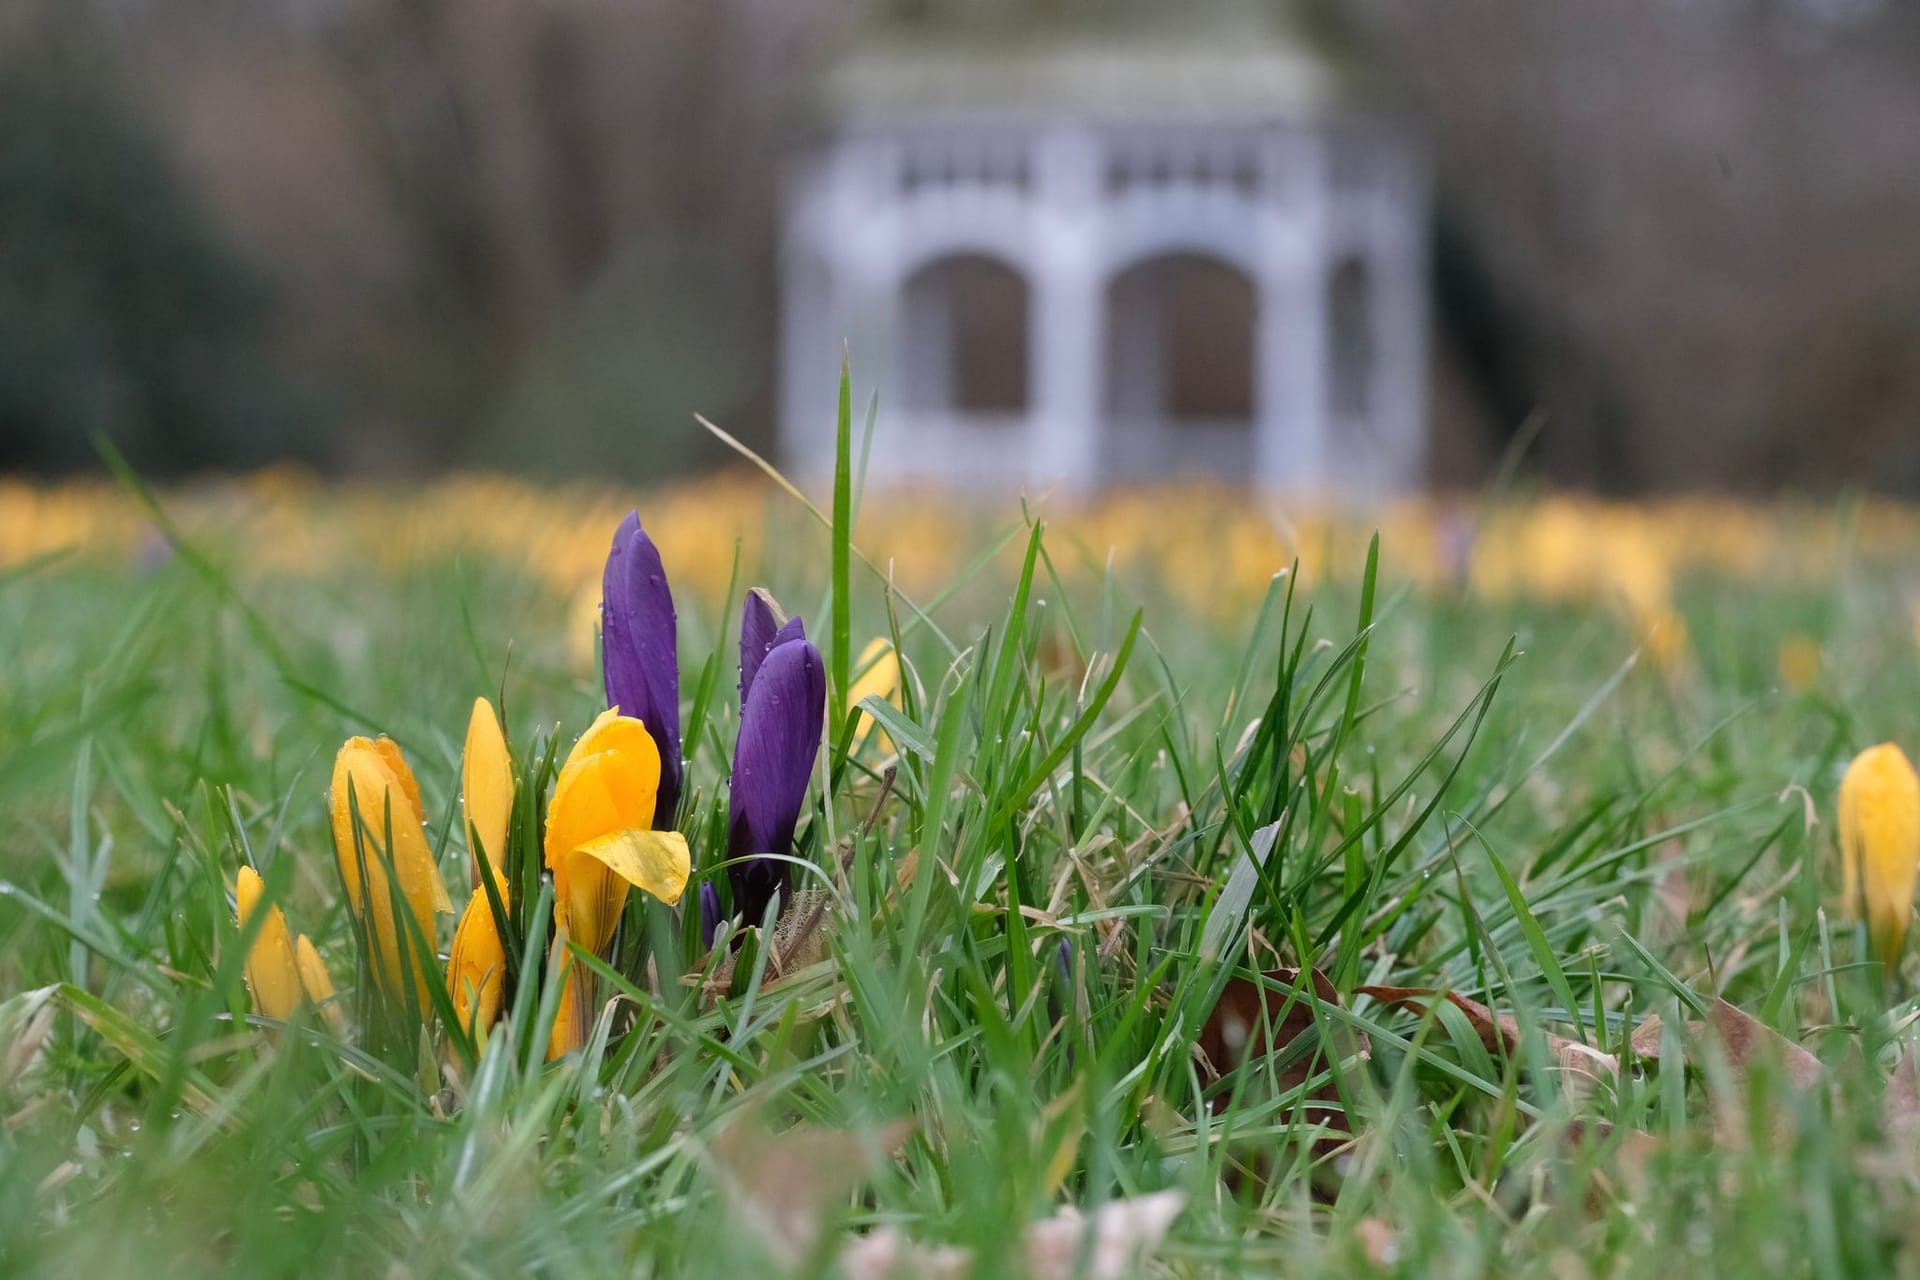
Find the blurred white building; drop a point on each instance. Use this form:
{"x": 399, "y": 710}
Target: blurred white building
{"x": 1101, "y": 263}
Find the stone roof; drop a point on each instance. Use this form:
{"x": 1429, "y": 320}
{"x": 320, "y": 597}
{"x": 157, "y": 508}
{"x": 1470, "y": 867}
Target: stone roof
{"x": 1247, "y": 68}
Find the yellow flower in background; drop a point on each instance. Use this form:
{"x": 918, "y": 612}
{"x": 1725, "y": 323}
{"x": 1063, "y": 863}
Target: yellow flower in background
{"x": 600, "y": 843}
{"x": 272, "y": 978}
{"x": 583, "y": 627}
{"x": 1799, "y": 661}
{"x": 1880, "y": 845}
{"x": 1666, "y": 638}
{"x": 876, "y": 675}
{"x": 486, "y": 792}
{"x": 318, "y": 983}
{"x": 477, "y": 966}
{"x": 371, "y": 775}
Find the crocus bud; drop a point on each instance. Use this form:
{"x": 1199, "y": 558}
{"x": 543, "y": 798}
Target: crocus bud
{"x": 476, "y": 967}
{"x": 640, "y": 650}
{"x": 370, "y": 776}
{"x": 762, "y": 627}
{"x": 272, "y": 978}
{"x": 317, "y": 983}
{"x": 1880, "y": 845}
{"x": 781, "y": 709}
{"x": 709, "y": 914}
{"x": 600, "y": 843}
{"x": 486, "y": 792}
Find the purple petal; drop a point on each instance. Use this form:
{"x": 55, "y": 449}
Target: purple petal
{"x": 640, "y": 650}
{"x": 709, "y": 914}
{"x": 780, "y": 724}
{"x": 761, "y": 629}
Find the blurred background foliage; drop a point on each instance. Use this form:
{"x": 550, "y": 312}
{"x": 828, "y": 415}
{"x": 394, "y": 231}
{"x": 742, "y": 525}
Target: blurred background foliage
{"x": 389, "y": 237}
{"x": 123, "y": 308}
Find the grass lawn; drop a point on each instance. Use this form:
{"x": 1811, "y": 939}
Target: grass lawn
{"x": 1063, "y": 898}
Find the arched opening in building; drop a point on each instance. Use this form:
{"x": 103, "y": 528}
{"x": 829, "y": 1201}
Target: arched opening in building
{"x": 963, "y": 340}
{"x": 1350, "y": 341}
{"x": 1180, "y": 367}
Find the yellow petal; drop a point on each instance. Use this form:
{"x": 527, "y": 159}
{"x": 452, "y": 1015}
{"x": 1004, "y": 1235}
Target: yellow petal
{"x": 879, "y": 668}
{"x": 610, "y": 731}
{"x": 1880, "y": 845}
{"x": 597, "y": 876}
{"x": 603, "y": 791}
{"x": 272, "y": 979}
{"x": 371, "y": 775}
{"x": 486, "y": 790}
{"x": 608, "y": 785}
{"x": 654, "y": 861}
{"x": 318, "y": 983}
{"x": 477, "y": 966}
{"x": 389, "y": 752}
{"x": 570, "y": 1024}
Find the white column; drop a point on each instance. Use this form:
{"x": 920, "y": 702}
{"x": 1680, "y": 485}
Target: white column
{"x": 1293, "y": 447}
{"x": 873, "y": 304}
{"x": 1066, "y": 332}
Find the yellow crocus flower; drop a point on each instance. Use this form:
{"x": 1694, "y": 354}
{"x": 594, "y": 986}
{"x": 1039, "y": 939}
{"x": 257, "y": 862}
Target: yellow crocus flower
{"x": 1799, "y": 661}
{"x": 486, "y": 791}
{"x": 878, "y": 669}
{"x": 477, "y": 966}
{"x": 370, "y": 773}
{"x": 272, "y": 979}
{"x": 1880, "y": 845}
{"x": 600, "y": 843}
{"x": 317, "y": 983}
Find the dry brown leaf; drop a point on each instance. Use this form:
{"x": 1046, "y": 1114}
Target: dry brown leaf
{"x": 1624, "y": 1177}
{"x": 1251, "y": 1022}
{"x": 800, "y": 939}
{"x": 27, "y": 1019}
{"x": 1243, "y": 1028}
{"x": 1746, "y": 1038}
{"x": 783, "y": 1185}
{"x": 888, "y": 1253}
{"x": 1378, "y": 1241}
{"x": 1900, "y": 1106}
{"x": 1112, "y": 1241}
{"x": 1899, "y": 1124}
{"x": 1741, "y": 1041}
{"x": 1499, "y": 1032}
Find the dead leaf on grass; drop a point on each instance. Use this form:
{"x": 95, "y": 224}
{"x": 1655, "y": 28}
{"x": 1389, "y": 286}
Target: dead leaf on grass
{"x": 782, "y": 1186}
{"x": 1106, "y": 1245}
{"x": 1900, "y": 1106}
{"x": 1579, "y": 1062}
{"x": 1252, "y": 1021}
{"x": 1741, "y": 1042}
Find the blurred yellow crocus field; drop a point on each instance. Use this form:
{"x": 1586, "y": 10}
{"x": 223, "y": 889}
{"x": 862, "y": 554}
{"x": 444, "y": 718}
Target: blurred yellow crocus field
{"x": 1215, "y": 548}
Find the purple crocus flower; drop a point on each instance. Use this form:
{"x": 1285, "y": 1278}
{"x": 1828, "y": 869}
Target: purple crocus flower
{"x": 640, "y": 651}
{"x": 783, "y": 698}
{"x": 709, "y": 914}
{"x": 761, "y": 628}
